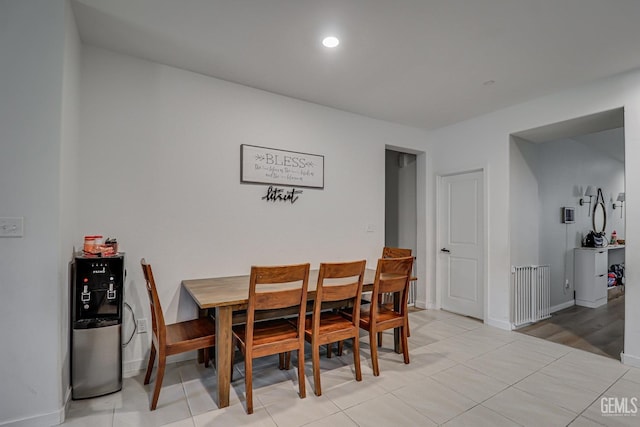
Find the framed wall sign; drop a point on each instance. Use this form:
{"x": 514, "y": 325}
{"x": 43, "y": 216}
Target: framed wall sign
{"x": 260, "y": 165}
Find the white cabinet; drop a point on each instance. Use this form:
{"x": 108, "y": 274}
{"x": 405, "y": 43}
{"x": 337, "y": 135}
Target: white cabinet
{"x": 591, "y": 267}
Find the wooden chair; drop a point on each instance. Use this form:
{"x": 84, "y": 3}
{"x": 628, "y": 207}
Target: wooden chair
{"x": 326, "y": 327}
{"x": 273, "y": 288}
{"x": 392, "y": 275}
{"x": 175, "y": 338}
{"x": 387, "y": 299}
{"x": 392, "y": 252}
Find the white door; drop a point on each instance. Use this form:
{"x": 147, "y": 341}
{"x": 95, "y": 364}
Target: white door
{"x": 461, "y": 260}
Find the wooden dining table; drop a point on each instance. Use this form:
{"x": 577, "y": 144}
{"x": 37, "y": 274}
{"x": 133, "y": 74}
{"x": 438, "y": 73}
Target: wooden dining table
{"x": 226, "y": 295}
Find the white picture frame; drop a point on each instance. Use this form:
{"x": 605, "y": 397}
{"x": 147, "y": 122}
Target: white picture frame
{"x": 262, "y": 165}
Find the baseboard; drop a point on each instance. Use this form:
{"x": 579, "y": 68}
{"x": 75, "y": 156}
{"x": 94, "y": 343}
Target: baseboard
{"x": 136, "y": 367}
{"x": 591, "y": 304}
{"x": 422, "y": 305}
{"x": 562, "y": 306}
{"x": 133, "y": 368}
{"x": 45, "y": 420}
{"x": 67, "y": 401}
{"x": 630, "y": 360}
{"x": 500, "y": 324}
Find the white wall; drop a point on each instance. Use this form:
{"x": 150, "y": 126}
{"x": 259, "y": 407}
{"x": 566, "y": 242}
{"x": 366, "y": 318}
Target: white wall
{"x": 69, "y": 180}
{"x": 162, "y": 147}
{"x": 546, "y": 177}
{"x": 524, "y": 203}
{"x": 484, "y": 142}
{"x": 32, "y": 278}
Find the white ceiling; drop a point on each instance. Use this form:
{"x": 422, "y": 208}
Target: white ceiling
{"x": 417, "y": 62}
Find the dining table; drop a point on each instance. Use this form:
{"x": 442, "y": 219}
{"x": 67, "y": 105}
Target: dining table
{"x": 221, "y": 297}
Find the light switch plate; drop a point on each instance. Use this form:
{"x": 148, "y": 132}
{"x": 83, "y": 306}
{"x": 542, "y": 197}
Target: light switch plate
{"x": 142, "y": 326}
{"x": 12, "y": 227}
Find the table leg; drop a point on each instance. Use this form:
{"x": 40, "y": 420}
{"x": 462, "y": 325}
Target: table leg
{"x": 202, "y": 313}
{"x": 223, "y": 354}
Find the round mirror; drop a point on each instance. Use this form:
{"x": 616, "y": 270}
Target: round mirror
{"x": 599, "y": 217}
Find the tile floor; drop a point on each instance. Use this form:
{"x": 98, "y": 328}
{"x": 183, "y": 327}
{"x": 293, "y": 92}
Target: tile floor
{"x": 462, "y": 373}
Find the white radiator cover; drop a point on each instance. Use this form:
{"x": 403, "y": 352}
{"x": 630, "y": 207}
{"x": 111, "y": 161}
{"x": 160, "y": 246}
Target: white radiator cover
{"x": 531, "y": 294}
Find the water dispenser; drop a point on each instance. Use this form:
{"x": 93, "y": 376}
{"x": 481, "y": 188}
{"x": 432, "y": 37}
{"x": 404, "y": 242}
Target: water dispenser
{"x": 97, "y": 296}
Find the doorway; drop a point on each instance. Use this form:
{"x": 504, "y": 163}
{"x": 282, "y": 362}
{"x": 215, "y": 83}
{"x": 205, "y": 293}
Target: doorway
{"x": 552, "y": 168}
{"x": 401, "y": 222}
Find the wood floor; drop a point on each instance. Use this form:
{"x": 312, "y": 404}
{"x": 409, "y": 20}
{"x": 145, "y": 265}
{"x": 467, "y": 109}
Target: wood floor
{"x": 597, "y": 330}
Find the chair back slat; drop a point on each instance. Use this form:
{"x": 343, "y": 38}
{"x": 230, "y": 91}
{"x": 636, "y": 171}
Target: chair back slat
{"x": 272, "y": 300}
{"x": 391, "y": 252}
{"x": 392, "y": 283}
{"x": 340, "y": 292}
{"x": 339, "y": 270}
{"x": 280, "y": 274}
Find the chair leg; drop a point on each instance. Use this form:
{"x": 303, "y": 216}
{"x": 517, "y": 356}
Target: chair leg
{"x": 406, "y": 325}
{"x": 374, "y": 352}
{"x": 235, "y": 345}
{"x": 152, "y": 359}
{"x": 248, "y": 383}
{"x": 315, "y": 357}
{"x": 206, "y": 355}
{"x": 340, "y": 346}
{"x": 380, "y": 302}
{"x": 405, "y": 344}
{"x": 162, "y": 362}
{"x": 356, "y": 358}
{"x": 329, "y": 351}
{"x": 231, "y": 373}
{"x": 284, "y": 361}
{"x": 301, "y": 384}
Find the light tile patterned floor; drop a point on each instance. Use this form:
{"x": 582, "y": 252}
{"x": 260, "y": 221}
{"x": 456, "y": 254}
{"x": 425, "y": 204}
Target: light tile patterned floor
{"x": 462, "y": 373}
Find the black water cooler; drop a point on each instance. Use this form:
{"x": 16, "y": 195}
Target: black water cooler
{"x": 97, "y": 296}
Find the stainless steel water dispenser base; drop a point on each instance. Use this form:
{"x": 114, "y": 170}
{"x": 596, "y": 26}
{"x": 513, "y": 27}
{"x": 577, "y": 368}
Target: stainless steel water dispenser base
{"x": 96, "y": 361}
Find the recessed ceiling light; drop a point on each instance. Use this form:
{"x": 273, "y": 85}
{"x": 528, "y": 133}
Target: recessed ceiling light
{"x": 330, "y": 41}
